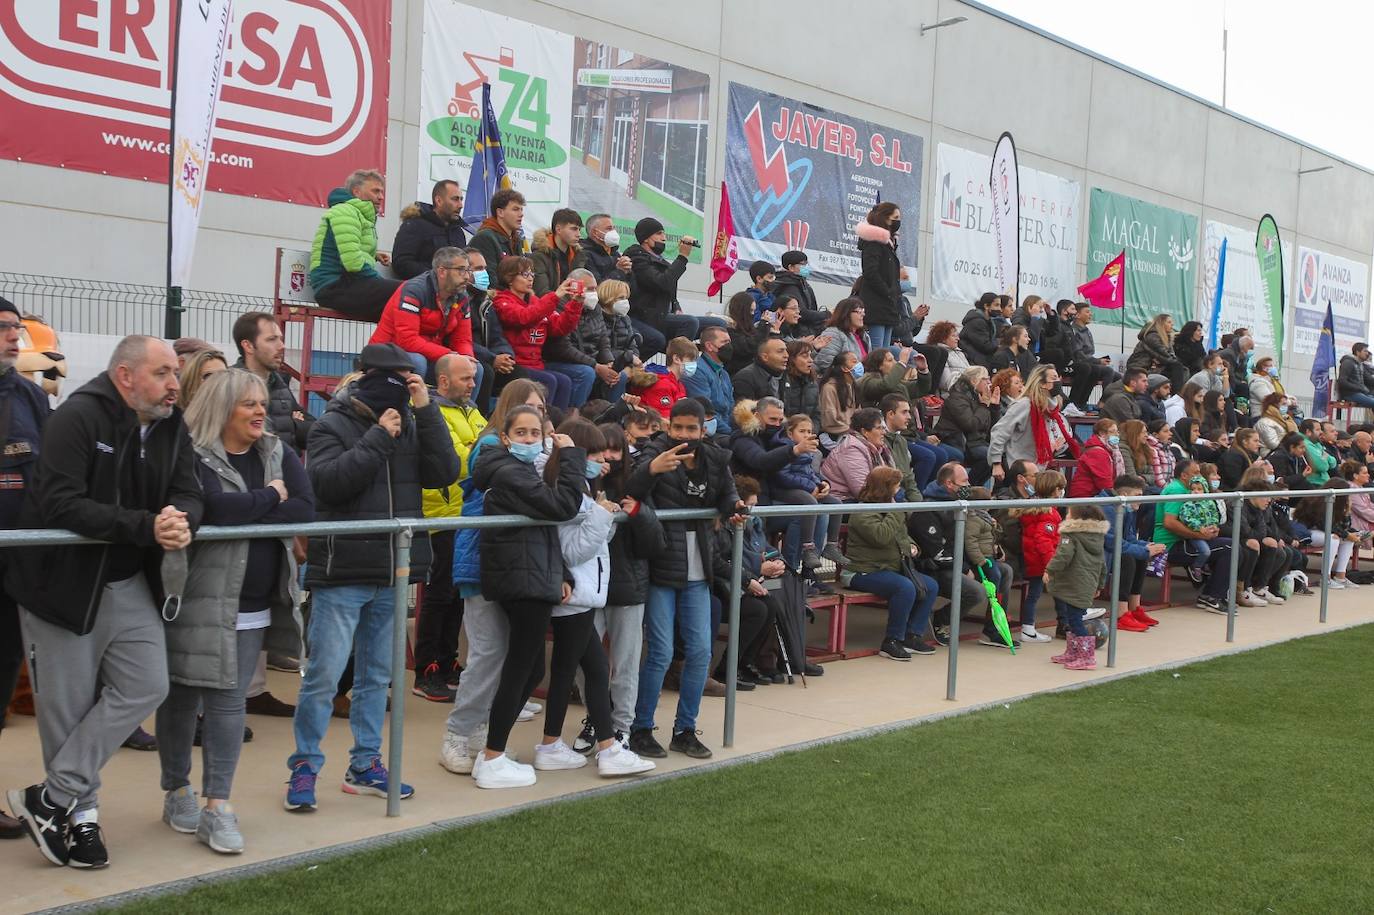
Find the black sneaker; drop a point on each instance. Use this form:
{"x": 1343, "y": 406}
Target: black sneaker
{"x": 812, "y": 670}
{"x": 753, "y": 676}
{"x": 917, "y": 645}
{"x": 88, "y": 847}
{"x": 995, "y": 640}
{"x": 891, "y": 648}
{"x": 455, "y": 673}
{"x": 586, "y": 739}
{"x": 643, "y": 744}
{"x": 1210, "y": 604}
{"x": 686, "y": 742}
{"x": 431, "y": 685}
{"x": 742, "y": 682}
{"x": 941, "y": 635}
{"x": 45, "y": 822}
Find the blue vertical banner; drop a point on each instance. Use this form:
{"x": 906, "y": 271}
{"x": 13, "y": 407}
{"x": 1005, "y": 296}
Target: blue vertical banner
{"x": 1214, "y": 326}
{"x": 1322, "y": 364}
{"x": 489, "y": 173}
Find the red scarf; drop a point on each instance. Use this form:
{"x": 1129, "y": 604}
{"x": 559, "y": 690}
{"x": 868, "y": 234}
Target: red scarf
{"x": 1039, "y": 429}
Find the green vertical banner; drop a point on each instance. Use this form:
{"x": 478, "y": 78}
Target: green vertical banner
{"x": 1161, "y": 256}
{"x": 1269, "y": 251}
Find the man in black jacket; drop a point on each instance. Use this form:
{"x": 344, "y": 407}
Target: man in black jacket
{"x": 679, "y": 470}
{"x": 1350, "y": 377}
{"x": 427, "y": 227}
{"x": 978, "y": 338}
{"x": 116, "y": 465}
{"x": 261, "y": 346}
{"x": 23, "y": 412}
{"x": 379, "y": 443}
{"x": 933, "y": 533}
{"x": 601, "y": 249}
{"x": 654, "y": 310}
{"x": 761, "y": 377}
{"x": 792, "y": 283}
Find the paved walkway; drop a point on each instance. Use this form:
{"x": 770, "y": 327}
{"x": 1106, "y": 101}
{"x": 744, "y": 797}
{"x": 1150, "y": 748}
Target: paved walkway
{"x": 852, "y": 696}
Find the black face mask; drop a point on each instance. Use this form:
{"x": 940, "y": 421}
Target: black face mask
{"x": 659, "y": 247}
{"x": 726, "y": 352}
{"x": 894, "y": 226}
{"x": 691, "y": 446}
{"x": 382, "y": 391}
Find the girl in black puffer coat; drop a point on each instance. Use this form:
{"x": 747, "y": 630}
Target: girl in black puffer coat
{"x": 523, "y": 569}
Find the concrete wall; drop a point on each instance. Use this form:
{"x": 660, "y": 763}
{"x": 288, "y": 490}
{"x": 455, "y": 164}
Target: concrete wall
{"x": 1072, "y": 114}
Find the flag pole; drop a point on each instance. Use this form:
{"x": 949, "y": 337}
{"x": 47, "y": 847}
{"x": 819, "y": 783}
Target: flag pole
{"x": 172, "y": 321}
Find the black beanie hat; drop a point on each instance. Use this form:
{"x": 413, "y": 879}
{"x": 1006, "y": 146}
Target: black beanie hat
{"x": 646, "y": 227}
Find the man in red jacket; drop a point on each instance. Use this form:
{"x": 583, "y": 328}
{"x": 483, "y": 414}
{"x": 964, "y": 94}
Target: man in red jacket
{"x": 429, "y": 316}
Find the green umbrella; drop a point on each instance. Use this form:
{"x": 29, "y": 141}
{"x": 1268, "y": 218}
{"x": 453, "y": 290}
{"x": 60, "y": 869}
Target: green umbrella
{"x": 999, "y": 615}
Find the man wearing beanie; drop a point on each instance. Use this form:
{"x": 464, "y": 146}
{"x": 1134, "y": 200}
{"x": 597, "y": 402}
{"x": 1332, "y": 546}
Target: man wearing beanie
{"x": 654, "y": 310}
{"x": 380, "y": 442}
{"x": 1157, "y": 390}
{"x": 23, "y": 412}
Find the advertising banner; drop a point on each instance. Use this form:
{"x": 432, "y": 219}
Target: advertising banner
{"x": 583, "y": 124}
{"x": 1242, "y": 293}
{"x": 1005, "y": 194}
{"x": 1161, "y": 256}
{"x": 963, "y": 250}
{"x": 1269, "y": 252}
{"x": 87, "y": 86}
{"x": 802, "y": 177}
{"x": 1323, "y": 277}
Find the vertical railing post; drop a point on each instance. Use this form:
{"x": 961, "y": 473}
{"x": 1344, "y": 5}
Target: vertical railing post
{"x": 1114, "y": 585}
{"x": 956, "y": 600}
{"x": 398, "y": 670}
{"x": 732, "y": 645}
{"x": 1327, "y": 547}
{"x": 1235, "y": 571}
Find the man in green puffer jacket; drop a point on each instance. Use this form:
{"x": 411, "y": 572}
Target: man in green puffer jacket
{"x": 341, "y": 258}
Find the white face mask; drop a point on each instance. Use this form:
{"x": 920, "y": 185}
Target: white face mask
{"x": 611, "y": 238}
{"x": 621, "y": 307}
{"x": 589, "y": 299}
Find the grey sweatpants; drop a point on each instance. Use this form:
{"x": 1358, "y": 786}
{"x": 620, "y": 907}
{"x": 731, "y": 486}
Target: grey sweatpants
{"x": 626, "y": 625}
{"x": 221, "y": 733}
{"x": 488, "y": 631}
{"x": 93, "y": 690}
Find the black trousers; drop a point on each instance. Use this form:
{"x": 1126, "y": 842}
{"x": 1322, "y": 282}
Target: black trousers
{"x": 523, "y": 667}
{"x": 358, "y": 296}
{"x": 1258, "y": 567}
{"x": 441, "y": 615}
{"x": 576, "y": 644}
{"x": 11, "y": 652}
{"x": 756, "y": 619}
{"x": 1086, "y": 376}
{"x": 1132, "y": 577}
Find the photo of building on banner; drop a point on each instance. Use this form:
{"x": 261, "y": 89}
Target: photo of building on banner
{"x": 802, "y": 177}
{"x": 584, "y": 124}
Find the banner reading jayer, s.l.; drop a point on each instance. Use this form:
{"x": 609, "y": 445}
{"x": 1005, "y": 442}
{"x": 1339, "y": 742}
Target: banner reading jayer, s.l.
{"x": 801, "y": 177}
{"x": 1161, "y": 256}
{"x": 86, "y": 85}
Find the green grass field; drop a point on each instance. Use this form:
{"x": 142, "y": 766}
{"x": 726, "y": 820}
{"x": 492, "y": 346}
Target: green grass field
{"x": 1237, "y": 785}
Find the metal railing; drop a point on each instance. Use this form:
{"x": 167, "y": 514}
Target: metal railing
{"x": 404, "y": 529}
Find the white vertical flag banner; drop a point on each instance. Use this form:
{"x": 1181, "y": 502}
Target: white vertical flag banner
{"x": 1005, "y": 186}
{"x": 202, "y": 33}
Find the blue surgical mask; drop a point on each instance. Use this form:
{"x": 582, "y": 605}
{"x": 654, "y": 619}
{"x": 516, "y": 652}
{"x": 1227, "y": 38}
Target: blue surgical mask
{"x": 805, "y": 271}
{"x": 1269, "y": 478}
{"x": 1113, "y": 440}
{"x": 1219, "y": 369}
{"x": 481, "y": 279}
{"x": 526, "y": 452}
{"x": 1283, "y": 409}
{"x": 593, "y": 469}
{"x": 906, "y": 285}
{"x": 1273, "y": 371}
{"x": 858, "y": 370}
{"x": 689, "y": 368}
{"x": 711, "y": 425}
{"x": 1214, "y": 484}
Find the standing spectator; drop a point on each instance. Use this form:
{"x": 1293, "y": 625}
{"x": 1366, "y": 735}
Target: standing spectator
{"x": 605, "y": 336}
{"x": 556, "y": 253}
{"x": 1263, "y": 382}
{"x": 440, "y": 617}
{"x": 880, "y": 281}
{"x": 499, "y": 236}
{"x": 711, "y": 380}
{"x": 427, "y": 227}
{"x": 1087, "y": 371}
{"x": 115, "y": 464}
{"x": 978, "y": 338}
{"x": 528, "y": 323}
{"x": 797, "y": 388}
{"x": 1033, "y": 429}
{"x": 840, "y": 395}
{"x": 761, "y": 275}
{"x": 1013, "y": 350}
{"x": 601, "y": 250}
{"x": 430, "y": 316}
{"x": 1039, "y": 539}
{"x": 199, "y": 368}
{"x": 859, "y": 451}
{"x": 227, "y": 615}
{"x": 1099, "y": 463}
{"x": 1074, "y": 575}
{"x": 653, "y": 306}
{"x": 345, "y": 249}
{"x": 261, "y": 347}
{"x": 27, "y": 408}
{"x": 1135, "y": 556}
{"x": 792, "y": 283}
{"x": 843, "y": 334}
{"x": 761, "y": 377}
{"x": 185, "y": 348}
{"x": 1189, "y": 349}
{"x": 1154, "y": 353}
{"x": 1203, "y": 551}
{"x": 678, "y": 470}
{"x": 380, "y": 442}
{"x": 970, "y": 412}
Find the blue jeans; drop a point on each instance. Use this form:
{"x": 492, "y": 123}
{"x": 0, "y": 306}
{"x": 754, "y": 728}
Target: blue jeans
{"x": 344, "y": 619}
{"x": 581, "y": 376}
{"x": 1034, "y": 588}
{"x": 1364, "y": 400}
{"x": 559, "y": 386}
{"x": 879, "y": 335}
{"x": 908, "y": 612}
{"x": 1071, "y": 617}
{"x": 689, "y": 611}
{"x": 617, "y": 390}
{"x": 677, "y": 325}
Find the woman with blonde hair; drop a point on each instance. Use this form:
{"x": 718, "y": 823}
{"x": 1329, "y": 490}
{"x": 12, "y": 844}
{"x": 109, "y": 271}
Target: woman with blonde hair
{"x": 1033, "y": 429}
{"x": 605, "y": 336}
{"x": 1154, "y": 353}
{"x": 199, "y": 366}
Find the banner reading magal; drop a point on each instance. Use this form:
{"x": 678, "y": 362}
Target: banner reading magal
{"x": 801, "y": 177}
{"x": 1161, "y": 256}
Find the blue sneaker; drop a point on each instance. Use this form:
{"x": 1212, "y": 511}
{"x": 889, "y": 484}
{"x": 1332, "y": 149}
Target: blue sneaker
{"x": 300, "y": 796}
{"x": 372, "y": 780}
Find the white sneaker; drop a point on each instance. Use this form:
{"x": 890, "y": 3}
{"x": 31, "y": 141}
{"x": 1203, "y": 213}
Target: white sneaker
{"x": 616, "y": 760}
{"x": 557, "y": 755}
{"x": 1031, "y": 634}
{"x": 529, "y": 711}
{"x": 1249, "y": 599}
{"x": 1349, "y": 583}
{"x": 1337, "y": 583}
{"x": 1270, "y": 596}
{"x": 1093, "y": 613}
{"x": 1072, "y": 410}
{"x": 502, "y": 772}
{"x": 455, "y": 755}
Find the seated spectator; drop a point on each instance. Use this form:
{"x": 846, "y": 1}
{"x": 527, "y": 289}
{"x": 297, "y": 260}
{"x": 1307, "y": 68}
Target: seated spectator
{"x": 1013, "y": 351}
{"x": 840, "y": 395}
{"x": 601, "y": 249}
{"x": 640, "y": 425}
{"x": 1119, "y": 399}
{"x": 1290, "y": 535}
{"x": 1020, "y": 484}
{"x": 345, "y": 249}
{"x": 884, "y": 374}
{"x": 1218, "y": 420}
{"x": 1263, "y": 382}
{"x": 605, "y": 335}
{"x": 844, "y": 333}
{"x": 1034, "y": 428}
{"x": 430, "y": 316}
{"x": 1290, "y": 462}
{"x": 745, "y": 333}
{"x": 261, "y": 348}
{"x": 978, "y": 337}
{"x": 881, "y": 556}
{"x": 1189, "y": 348}
{"x": 786, "y": 322}
{"x": 1099, "y": 463}
{"x": 983, "y": 549}
{"x": 761, "y": 275}
{"x": 1312, "y": 514}
{"x": 1361, "y": 448}
{"x": 792, "y": 284}
{"x": 1213, "y": 377}
{"x": 971, "y": 409}
{"x": 1086, "y": 370}
{"x": 1154, "y": 354}
{"x": 1261, "y": 553}
{"x": 1237, "y": 354}
{"x": 528, "y": 322}
{"x": 758, "y": 606}
{"x": 1180, "y": 440}
{"x": 799, "y": 482}
{"x": 499, "y": 237}
{"x": 1153, "y": 403}
{"x": 861, "y": 449}
{"x": 711, "y": 380}
{"x": 658, "y": 388}
{"x": 1361, "y": 508}
{"x": 1137, "y": 456}
{"x": 1012, "y": 386}
{"x": 798, "y": 388}
{"x": 556, "y": 253}
{"x": 1135, "y": 555}
{"x": 759, "y": 449}
{"x": 584, "y": 359}
{"x": 427, "y": 227}
{"x": 761, "y": 377}
{"x": 1320, "y": 463}
{"x": 908, "y": 456}
{"x": 946, "y": 336}
{"x": 493, "y": 351}
{"x": 1234, "y": 461}
{"x": 934, "y": 534}
{"x": 198, "y": 369}
{"x": 654, "y": 308}
{"x": 1201, "y": 549}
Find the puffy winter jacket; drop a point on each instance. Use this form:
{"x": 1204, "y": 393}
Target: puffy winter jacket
{"x": 1078, "y": 565}
{"x": 360, "y": 473}
{"x": 874, "y": 387}
{"x": 346, "y": 240}
{"x": 848, "y": 465}
{"x": 488, "y": 339}
{"x": 526, "y": 563}
{"x": 282, "y": 408}
{"x": 978, "y": 338}
{"x": 418, "y": 322}
{"x": 966, "y": 422}
{"x": 422, "y": 233}
{"x": 1039, "y": 539}
{"x": 801, "y": 472}
{"x": 586, "y": 545}
{"x": 981, "y": 536}
{"x": 756, "y": 381}
{"x": 713, "y": 382}
{"x": 800, "y": 394}
{"x": 1151, "y": 353}
{"x": 654, "y": 295}
{"x": 880, "y": 270}
{"x": 552, "y": 266}
{"x": 1119, "y": 403}
{"x": 599, "y": 339}
{"x": 833, "y": 342}
{"x": 463, "y": 423}
{"x": 636, "y": 541}
{"x": 657, "y": 388}
{"x": 1023, "y": 361}
{"x": 467, "y": 554}
{"x": 758, "y": 452}
{"x": 1350, "y": 377}
{"x": 601, "y": 260}
{"x": 789, "y": 285}
{"x": 877, "y": 542}
{"x": 1099, "y": 465}
{"x": 529, "y": 323}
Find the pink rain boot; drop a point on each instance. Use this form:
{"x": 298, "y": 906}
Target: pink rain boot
{"x": 1086, "y": 656}
{"x": 1070, "y": 652}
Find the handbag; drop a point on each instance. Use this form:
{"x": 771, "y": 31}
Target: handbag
{"x": 909, "y": 570}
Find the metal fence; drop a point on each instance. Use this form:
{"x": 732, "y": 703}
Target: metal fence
{"x": 403, "y": 531}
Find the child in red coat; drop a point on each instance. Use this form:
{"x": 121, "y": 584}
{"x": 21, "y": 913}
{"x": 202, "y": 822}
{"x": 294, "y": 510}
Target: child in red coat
{"x": 1039, "y": 540}
{"x": 657, "y": 388}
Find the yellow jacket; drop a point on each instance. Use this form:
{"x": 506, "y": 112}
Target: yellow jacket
{"x": 464, "y": 424}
